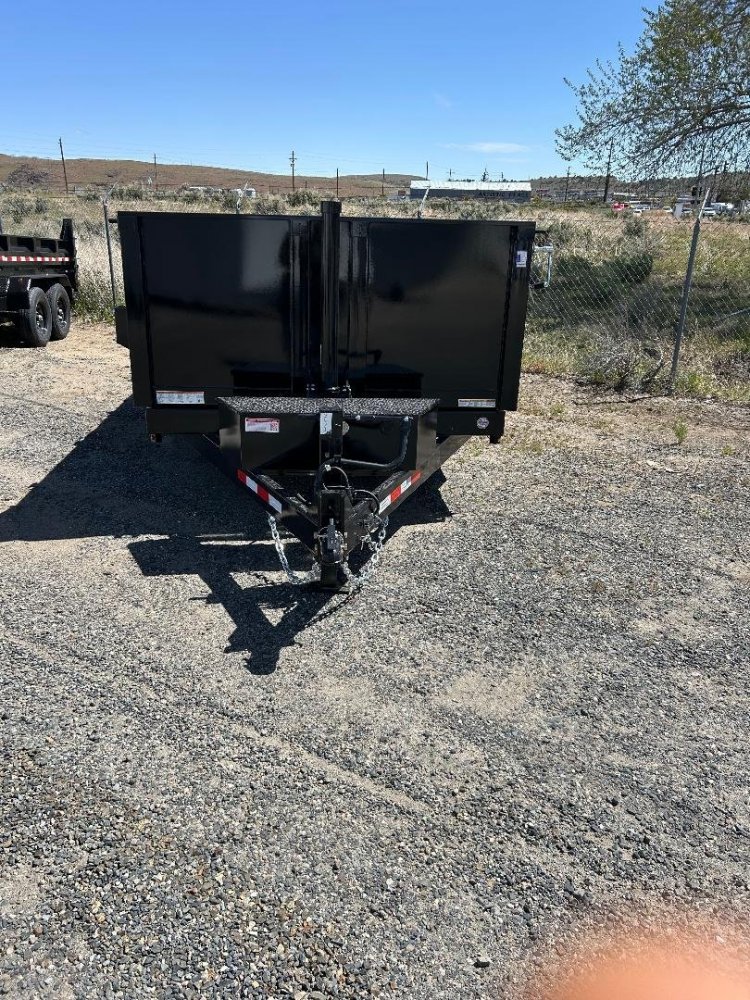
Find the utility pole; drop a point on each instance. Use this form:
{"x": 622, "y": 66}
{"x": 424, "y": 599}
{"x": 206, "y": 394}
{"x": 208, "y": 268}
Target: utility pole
{"x": 567, "y": 182}
{"x": 337, "y": 183}
{"x": 293, "y": 160}
{"x": 156, "y": 174}
{"x": 65, "y": 172}
{"x": 450, "y": 173}
{"x": 427, "y": 171}
{"x": 609, "y": 172}
{"x": 382, "y": 185}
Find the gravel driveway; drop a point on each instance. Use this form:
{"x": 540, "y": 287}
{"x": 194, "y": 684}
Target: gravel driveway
{"x": 536, "y": 715}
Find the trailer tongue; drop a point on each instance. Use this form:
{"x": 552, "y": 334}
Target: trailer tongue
{"x": 332, "y": 363}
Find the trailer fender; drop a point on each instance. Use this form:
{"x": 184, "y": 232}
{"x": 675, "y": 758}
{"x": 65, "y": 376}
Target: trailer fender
{"x": 18, "y": 288}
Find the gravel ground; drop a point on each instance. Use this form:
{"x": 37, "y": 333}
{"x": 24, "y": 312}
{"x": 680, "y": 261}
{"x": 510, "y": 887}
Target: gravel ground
{"x": 533, "y": 718}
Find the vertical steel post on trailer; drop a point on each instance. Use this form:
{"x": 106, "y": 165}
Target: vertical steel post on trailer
{"x": 329, "y": 348}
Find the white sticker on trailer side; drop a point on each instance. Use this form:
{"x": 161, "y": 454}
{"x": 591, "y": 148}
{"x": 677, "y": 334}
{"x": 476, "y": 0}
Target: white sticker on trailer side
{"x": 170, "y": 397}
{"x": 326, "y": 423}
{"x": 479, "y": 404}
{"x": 261, "y": 425}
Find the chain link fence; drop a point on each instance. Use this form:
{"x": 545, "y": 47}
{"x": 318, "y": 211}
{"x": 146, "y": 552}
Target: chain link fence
{"x": 611, "y": 305}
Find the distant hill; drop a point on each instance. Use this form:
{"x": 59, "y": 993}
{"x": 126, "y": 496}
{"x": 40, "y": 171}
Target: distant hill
{"x": 31, "y": 172}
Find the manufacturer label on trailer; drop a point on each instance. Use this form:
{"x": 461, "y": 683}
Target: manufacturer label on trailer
{"x": 168, "y": 397}
{"x": 522, "y": 257}
{"x": 480, "y": 404}
{"x": 261, "y": 425}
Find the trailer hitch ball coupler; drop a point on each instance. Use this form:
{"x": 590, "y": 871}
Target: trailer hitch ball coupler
{"x": 331, "y": 544}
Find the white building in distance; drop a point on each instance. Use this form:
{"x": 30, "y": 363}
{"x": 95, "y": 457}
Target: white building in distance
{"x": 518, "y": 191}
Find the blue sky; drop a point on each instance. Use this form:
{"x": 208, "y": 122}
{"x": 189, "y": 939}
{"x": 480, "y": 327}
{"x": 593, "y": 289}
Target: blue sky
{"x": 359, "y": 86}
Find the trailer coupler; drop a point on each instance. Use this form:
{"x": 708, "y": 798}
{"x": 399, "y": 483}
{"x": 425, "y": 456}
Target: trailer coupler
{"x": 332, "y": 572}
{"x": 331, "y": 549}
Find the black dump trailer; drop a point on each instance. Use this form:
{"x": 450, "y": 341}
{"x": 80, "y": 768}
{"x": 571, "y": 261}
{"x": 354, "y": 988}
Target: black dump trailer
{"x": 39, "y": 283}
{"x": 333, "y": 363}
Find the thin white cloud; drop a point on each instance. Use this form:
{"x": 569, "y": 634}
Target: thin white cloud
{"x": 443, "y": 102}
{"x": 489, "y": 147}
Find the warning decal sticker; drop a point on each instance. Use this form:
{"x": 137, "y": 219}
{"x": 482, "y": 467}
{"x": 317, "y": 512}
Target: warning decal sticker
{"x": 170, "y": 397}
{"x": 261, "y": 425}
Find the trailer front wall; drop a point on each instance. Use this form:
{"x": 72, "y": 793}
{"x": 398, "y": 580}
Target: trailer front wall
{"x": 219, "y": 305}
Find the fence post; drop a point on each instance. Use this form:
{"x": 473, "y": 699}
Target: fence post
{"x": 686, "y": 293}
{"x": 105, "y": 204}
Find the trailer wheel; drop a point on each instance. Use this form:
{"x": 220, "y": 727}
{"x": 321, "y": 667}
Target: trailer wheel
{"x": 59, "y": 304}
{"x": 36, "y": 321}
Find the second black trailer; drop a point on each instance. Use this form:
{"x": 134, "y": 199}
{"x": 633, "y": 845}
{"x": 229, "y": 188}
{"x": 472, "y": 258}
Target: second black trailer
{"x": 334, "y": 363}
{"x": 39, "y": 283}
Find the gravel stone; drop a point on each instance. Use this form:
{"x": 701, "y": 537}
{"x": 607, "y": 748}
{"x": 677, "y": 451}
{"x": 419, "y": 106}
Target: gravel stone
{"x": 531, "y": 721}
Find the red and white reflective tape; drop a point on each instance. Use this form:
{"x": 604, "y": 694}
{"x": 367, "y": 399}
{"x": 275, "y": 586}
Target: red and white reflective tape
{"x": 16, "y": 259}
{"x": 261, "y": 491}
{"x": 394, "y": 495}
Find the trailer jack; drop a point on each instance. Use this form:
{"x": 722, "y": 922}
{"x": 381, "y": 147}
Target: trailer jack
{"x": 331, "y": 547}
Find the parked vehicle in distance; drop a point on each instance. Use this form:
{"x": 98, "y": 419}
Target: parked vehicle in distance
{"x": 39, "y": 283}
{"x": 722, "y": 208}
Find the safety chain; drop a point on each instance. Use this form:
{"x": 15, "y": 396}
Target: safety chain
{"x": 297, "y": 579}
{"x": 375, "y": 545}
{"x": 355, "y": 580}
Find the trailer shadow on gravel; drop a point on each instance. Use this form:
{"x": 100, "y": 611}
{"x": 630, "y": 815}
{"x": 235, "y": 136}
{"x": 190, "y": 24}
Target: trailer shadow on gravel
{"x": 179, "y": 516}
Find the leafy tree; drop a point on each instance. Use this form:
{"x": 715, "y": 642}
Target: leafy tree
{"x": 685, "y": 91}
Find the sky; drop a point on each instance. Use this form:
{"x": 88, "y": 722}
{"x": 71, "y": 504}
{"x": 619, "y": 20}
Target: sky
{"x": 356, "y": 85}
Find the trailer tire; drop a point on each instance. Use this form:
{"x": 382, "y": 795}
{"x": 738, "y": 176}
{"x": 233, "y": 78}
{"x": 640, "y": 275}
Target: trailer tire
{"x": 59, "y": 305}
{"x": 36, "y": 321}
